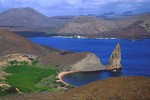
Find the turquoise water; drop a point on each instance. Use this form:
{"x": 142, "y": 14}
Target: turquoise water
{"x": 135, "y": 56}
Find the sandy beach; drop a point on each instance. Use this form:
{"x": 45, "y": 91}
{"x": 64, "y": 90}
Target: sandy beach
{"x": 60, "y": 76}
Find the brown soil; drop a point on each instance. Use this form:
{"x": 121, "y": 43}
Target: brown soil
{"x": 120, "y": 88}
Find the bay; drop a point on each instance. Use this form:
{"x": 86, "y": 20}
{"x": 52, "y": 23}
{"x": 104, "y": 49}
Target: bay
{"x": 135, "y": 56}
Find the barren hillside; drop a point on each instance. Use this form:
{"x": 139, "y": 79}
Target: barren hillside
{"x": 89, "y": 25}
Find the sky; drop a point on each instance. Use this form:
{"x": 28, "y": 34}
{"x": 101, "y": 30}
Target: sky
{"x": 78, "y": 7}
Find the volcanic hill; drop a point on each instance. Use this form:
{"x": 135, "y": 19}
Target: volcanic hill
{"x": 12, "y": 43}
{"x": 28, "y": 19}
{"x": 90, "y": 26}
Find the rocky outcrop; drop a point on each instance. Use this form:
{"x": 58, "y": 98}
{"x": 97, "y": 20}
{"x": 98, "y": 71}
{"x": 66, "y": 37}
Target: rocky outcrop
{"x": 90, "y": 63}
{"x": 7, "y": 89}
{"x": 115, "y": 58}
{"x": 83, "y": 61}
{"x": 4, "y": 61}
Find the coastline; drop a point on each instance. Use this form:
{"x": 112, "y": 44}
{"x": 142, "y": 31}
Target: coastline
{"x": 61, "y": 74}
{"x": 80, "y": 36}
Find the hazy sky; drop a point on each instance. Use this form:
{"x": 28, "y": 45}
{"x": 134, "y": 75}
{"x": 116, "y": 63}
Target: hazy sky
{"x": 78, "y": 7}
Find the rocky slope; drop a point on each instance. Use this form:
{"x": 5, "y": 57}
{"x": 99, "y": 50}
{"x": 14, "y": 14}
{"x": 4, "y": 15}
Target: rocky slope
{"x": 119, "y": 88}
{"x": 74, "y": 62}
{"x": 12, "y": 43}
{"x": 28, "y": 19}
{"x": 90, "y": 26}
{"x": 19, "y": 18}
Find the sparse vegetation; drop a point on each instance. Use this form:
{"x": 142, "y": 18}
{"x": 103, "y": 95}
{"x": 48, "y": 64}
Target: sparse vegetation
{"x": 35, "y": 61}
{"x": 15, "y": 62}
{"x": 8, "y": 90}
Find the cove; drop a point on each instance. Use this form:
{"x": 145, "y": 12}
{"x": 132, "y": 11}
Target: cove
{"x": 135, "y": 56}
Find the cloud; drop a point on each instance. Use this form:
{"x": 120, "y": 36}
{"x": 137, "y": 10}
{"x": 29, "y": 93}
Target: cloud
{"x": 62, "y": 7}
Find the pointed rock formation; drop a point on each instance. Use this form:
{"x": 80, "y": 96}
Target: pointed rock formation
{"x": 115, "y": 58}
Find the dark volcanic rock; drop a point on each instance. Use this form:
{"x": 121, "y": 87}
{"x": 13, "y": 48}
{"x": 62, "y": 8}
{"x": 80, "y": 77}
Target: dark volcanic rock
{"x": 12, "y": 90}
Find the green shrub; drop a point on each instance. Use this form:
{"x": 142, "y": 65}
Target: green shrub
{"x": 23, "y": 63}
{"x": 13, "y": 62}
{"x": 25, "y": 77}
{"x": 35, "y": 61}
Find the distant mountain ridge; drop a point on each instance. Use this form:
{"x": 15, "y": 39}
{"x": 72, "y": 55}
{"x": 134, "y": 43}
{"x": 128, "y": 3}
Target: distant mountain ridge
{"x": 91, "y": 26}
{"x": 30, "y": 20}
{"x": 27, "y": 19}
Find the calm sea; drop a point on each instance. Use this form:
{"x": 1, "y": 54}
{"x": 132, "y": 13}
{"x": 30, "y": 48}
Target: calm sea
{"x": 135, "y": 56}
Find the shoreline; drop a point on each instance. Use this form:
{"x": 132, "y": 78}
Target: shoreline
{"x": 44, "y": 34}
{"x": 61, "y": 74}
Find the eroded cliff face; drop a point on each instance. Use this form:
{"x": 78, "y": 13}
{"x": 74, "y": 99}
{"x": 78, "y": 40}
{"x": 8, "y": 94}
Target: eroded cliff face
{"x": 89, "y": 63}
{"x": 92, "y": 63}
{"x": 83, "y": 61}
{"x": 115, "y": 58}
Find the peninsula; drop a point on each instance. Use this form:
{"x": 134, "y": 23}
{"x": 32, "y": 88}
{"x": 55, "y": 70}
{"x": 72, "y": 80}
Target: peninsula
{"x": 15, "y": 49}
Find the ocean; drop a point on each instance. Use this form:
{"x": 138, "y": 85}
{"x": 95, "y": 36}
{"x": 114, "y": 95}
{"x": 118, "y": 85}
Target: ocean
{"x": 135, "y": 56}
